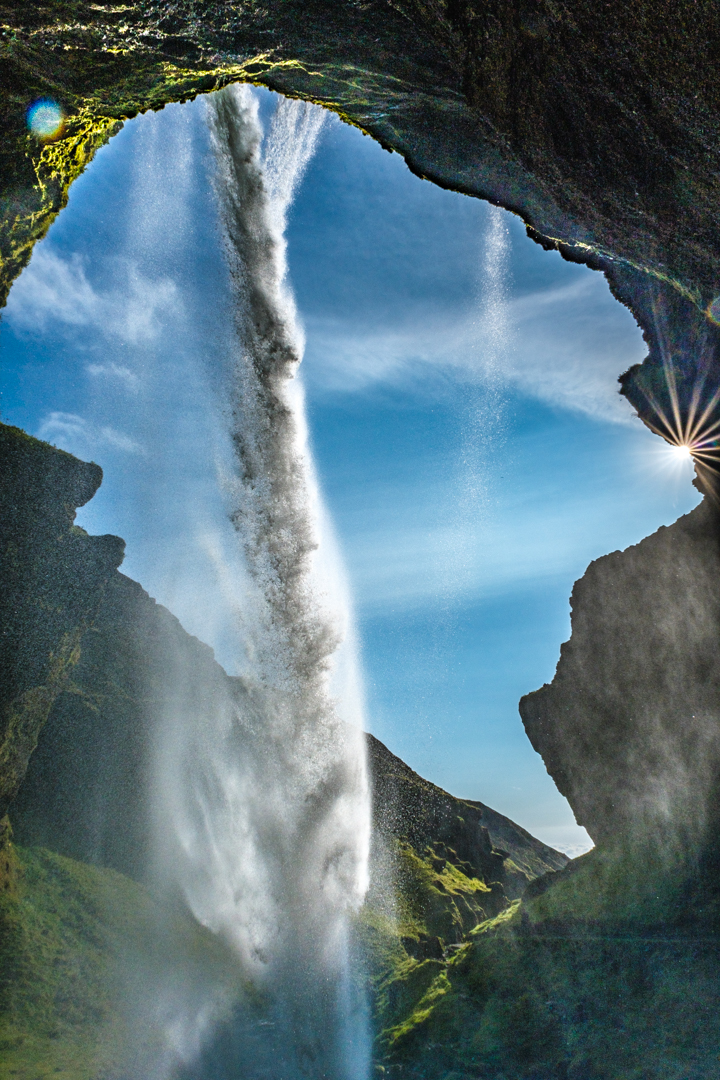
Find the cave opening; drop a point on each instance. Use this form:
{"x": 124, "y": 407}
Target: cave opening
{"x": 469, "y": 437}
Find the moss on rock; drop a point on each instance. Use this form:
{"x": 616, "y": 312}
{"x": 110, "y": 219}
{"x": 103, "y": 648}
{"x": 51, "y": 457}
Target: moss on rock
{"x": 597, "y": 124}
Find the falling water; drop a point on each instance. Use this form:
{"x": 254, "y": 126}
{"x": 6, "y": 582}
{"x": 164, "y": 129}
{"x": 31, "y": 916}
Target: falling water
{"x": 483, "y": 418}
{"x": 268, "y": 791}
{"x": 486, "y": 420}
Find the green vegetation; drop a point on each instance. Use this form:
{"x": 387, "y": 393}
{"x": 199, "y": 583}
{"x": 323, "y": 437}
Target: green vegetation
{"x": 530, "y": 993}
{"x": 606, "y": 970}
{"x": 62, "y": 928}
{"x": 569, "y": 984}
{"x": 103, "y": 64}
{"x": 78, "y": 942}
{"x": 78, "y": 945}
{"x": 409, "y": 945}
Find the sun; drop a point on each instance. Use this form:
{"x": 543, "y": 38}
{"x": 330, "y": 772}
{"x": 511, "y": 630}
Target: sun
{"x": 682, "y": 451}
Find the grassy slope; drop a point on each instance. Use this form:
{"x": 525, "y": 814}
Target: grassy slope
{"x": 72, "y": 937}
{"x": 532, "y": 993}
{"x": 62, "y": 926}
{"x": 75, "y": 940}
{"x": 409, "y": 942}
{"x": 579, "y": 983}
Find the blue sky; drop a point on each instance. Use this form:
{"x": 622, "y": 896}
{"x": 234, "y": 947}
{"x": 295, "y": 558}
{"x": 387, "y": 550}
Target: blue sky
{"x": 461, "y": 388}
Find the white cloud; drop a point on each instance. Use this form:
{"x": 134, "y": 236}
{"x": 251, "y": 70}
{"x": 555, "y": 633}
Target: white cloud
{"x": 571, "y": 344}
{"x": 55, "y": 290}
{"x": 78, "y": 435}
{"x": 566, "y": 346}
{"x": 115, "y": 371}
{"x": 408, "y": 564}
{"x": 573, "y": 840}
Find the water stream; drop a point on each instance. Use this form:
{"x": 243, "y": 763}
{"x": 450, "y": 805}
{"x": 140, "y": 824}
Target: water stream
{"x": 265, "y": 796}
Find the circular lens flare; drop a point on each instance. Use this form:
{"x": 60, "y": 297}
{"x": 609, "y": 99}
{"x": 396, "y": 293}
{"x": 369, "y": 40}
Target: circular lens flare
{"x": 45, "y": 119}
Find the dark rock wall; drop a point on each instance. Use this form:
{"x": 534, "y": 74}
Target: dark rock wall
{"x": 629, "y": 728}
{"x": 52, "y": 578}
{"x": 599, "y": 122}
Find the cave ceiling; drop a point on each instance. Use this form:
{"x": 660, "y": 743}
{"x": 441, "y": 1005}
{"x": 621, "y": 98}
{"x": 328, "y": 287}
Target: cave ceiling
{"x": 598, "y": 123}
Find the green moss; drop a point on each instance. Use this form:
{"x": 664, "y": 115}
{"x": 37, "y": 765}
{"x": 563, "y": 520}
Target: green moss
{"x": 425, "y": 985}
{"x": 75, "y": 941}
{"x": 435, "y": 897}
{"x": 410, "y": 951}
{"x": 623, "y": 887}
{"x": 536, "y": 999}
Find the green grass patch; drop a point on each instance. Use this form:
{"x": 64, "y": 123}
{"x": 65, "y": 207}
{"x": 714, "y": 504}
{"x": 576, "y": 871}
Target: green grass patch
{"x": 77, "y": 945}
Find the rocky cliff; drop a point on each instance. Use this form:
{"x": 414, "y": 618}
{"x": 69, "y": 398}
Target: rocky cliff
{"x": 53, "y": 579}
{"x": 597, "y": 123}
{"x": 629, "y": 728}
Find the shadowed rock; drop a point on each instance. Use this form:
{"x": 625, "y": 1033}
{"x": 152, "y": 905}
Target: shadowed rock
{"x": 597, "y": 124}
{"x": 52, "y": 577}
{"x": 629, "y": 728}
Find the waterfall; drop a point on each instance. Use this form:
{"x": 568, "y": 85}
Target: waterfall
{"x": 267, "y": 792}
{"x": 485, "y": 433}
{"x": 483, "y": 420}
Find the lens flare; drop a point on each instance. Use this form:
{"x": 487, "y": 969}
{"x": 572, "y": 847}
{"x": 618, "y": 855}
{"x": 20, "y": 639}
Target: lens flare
{"x": 46, "y": 119}
{"x": 713, "y": 311}
{"x": 682, "y": 451}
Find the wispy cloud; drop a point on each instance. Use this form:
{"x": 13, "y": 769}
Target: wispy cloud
{"x": 55, "y": 290}
{"x": 118, "y": 372}
{"x": 78, "y": 435}
{"x": 567, "y": 346}
{"x": 414, "y": 564}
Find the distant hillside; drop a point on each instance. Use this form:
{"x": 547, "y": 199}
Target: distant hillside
{"x": 407, "y": 806}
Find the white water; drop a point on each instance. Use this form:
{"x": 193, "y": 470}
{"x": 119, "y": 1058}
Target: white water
{"x": 266, "y": 818}
{"x": 485, "y": 419}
